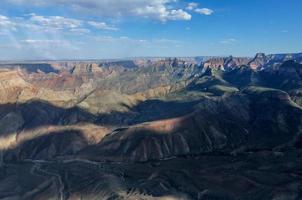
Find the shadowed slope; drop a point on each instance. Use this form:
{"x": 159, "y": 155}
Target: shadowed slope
{"x": 234, "y": 122}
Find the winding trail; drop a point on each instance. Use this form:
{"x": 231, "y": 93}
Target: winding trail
{"x": 36, "y": 170}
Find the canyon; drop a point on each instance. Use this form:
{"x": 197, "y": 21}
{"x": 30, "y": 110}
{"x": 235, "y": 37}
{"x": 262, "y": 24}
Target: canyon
{"x": 152, "y": 128}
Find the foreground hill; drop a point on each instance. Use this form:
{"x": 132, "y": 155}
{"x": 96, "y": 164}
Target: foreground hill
{"x": 225, "y": 128}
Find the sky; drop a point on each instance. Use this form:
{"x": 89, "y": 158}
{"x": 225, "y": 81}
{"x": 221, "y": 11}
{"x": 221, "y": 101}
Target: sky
{"x": 103, "y": 29}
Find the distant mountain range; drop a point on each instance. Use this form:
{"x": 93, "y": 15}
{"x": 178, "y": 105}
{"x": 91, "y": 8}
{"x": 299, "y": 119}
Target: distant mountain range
{"x": 259, "y": 61}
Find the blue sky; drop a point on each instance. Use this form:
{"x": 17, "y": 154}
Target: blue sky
{"x": 96, "y": 29}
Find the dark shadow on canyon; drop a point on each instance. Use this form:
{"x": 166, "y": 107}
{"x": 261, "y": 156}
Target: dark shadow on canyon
{"x": 48, "y": 147}
{"x": 39, "y": 113}
{"x": 224, "y": 177}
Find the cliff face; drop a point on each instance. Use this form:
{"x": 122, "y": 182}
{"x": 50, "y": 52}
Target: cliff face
{"x": 225, "y": 62}
{"x": 259, "y": 62}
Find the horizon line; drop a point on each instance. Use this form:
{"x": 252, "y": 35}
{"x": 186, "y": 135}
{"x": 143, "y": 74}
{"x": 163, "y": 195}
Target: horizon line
{"x": 134, "y": 57}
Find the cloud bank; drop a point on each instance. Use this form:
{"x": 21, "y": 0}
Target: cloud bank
{"x": 163, "y": 10}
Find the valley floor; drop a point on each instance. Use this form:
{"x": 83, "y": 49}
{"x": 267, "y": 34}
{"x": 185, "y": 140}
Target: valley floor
{"x": 254, "y": 175}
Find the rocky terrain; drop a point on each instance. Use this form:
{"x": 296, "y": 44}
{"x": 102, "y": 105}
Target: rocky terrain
{"x": 260, "y": 61}
{"x": 152, "y": 128}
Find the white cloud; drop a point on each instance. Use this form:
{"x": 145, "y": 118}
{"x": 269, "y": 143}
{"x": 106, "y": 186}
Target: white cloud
{"x": 50, "y": 24}
{"x": 126, "y": 41}
{"x": 47, "y": 44}
{"x": 178, "y": 15}
{"x": 204, "y": 11}
{"x": 30, "y": 2}
{"x": 79, "y": 31}
{"x": 6, "y": 23}
{"x": 228, "y": 41}
{"x": 120, "y": 40}
{"x": 162, "y": 10}
{"x": 192, "y": 6}
{"x": 48, "y": 48}
{"x": 44, "y": 42}
{"x": 101, "y": 25}
{"x": 55, "y": 22}
{"x": 70, "y": 24}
